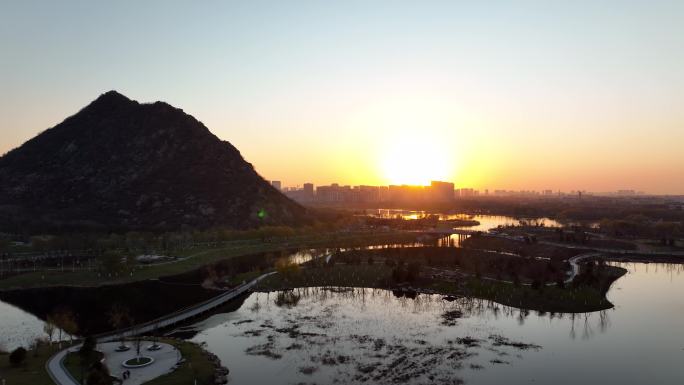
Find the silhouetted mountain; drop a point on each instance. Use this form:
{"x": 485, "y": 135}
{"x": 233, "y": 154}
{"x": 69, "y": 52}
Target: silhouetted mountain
{"x": 121, "y": 164}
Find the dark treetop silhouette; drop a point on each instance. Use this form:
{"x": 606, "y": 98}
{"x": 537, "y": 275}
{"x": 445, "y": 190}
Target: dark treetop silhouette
{"x": 118, "y": 163}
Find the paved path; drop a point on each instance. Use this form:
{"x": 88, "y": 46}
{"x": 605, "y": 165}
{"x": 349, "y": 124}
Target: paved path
{"x": 446, "y": 231}
{"x": 615, "y": 251}
{"x": 574, "y": 264}
{"x": 183, "y": 314}
{"x": 61, "y": 376}
{"x": 165, "y": 361}
{"x": 56, "y": 370}
{"x": 574, "y": 271}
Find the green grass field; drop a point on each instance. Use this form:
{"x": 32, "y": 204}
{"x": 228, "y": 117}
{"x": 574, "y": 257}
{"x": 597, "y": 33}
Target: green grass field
{"x": 196, "y": 367}
{"x": 77, "y": 368}
{"x": 549, "y": 299}
{"x": 376, "y": 276}
{"x": 32, "y": 371}
{"x": 196, "y": 258}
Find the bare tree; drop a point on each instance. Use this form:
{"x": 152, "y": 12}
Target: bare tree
{"x": 137, "y": 343}
{"x": 49, "y": 328}
{"x": 65, "y": 321}
{"x": 35, "y": 345}
{"x": 119, "y": 316}
{"x": 155, "y": 336}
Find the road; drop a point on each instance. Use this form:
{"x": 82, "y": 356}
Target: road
{"x": 574, "y": 271}
{"x": 615, "y": 251}
{"x": 574, "y": 264}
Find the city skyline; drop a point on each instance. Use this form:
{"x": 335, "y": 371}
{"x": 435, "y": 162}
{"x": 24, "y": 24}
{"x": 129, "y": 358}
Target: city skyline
{"x": 469, "y": 191}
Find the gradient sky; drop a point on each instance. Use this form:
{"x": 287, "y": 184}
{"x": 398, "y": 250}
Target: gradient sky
{"x": 489, "y": 94}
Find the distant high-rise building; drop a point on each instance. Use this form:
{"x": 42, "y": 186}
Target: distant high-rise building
{"x": 369, "y": 193}
{"x": 406, "y": 193}
{"x": 333, "y": 193}
{"x": 441, "y": 191}
{"x": 277, "y": 184}
{"x": 626, "y": 193}
{"x": 383, "y": 193}
{"x": 308, "y": 191}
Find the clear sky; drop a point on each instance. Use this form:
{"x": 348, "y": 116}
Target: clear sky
{"x": 489, "y": 94}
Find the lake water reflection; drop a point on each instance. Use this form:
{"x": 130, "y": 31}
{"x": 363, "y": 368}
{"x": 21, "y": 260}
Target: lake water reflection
{"x": 486, "y": 221}
{"x": 371, "y": 336}
{"x": 18, "y": 328}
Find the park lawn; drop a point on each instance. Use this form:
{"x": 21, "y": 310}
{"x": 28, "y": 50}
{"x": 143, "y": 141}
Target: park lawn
{"x": 374, "y": 276}
{"x": 649, "y": 245}
{"x": 72, "y": 363}
{"x": 194, "y": 259}
{"x": 549, "y": 299}
{"x": 244, "y": 277}
{"x": 197, "y": 366}
{"x": 30, "y": 372}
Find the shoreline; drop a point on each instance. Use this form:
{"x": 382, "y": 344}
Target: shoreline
{"x": 582, "y": 299}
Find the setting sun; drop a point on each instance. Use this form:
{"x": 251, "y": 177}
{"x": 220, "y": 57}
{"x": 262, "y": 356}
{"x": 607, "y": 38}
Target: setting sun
{"x": 415, "y": 161}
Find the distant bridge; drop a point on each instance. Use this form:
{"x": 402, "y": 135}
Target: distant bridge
{"x": 182, "y": 314}
{"x": 446, "y": 232}
{"x": 55, "y": 365}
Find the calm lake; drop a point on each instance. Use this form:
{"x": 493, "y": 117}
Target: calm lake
{"x": 486, "y": 221}
{"x": 370, "y": 336}
{"x": 17, "y": 327}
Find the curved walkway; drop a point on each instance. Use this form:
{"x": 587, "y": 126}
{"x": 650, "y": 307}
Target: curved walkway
{"x": 574, "y": 264}
{"x": 615, "y": 251}
{"x": 56, "y": 370}
{"x": 165, "y": 361}
{"x": 60, "y": 376}
{"x": 183, "y": 314}
{"x": 574, "y": 271}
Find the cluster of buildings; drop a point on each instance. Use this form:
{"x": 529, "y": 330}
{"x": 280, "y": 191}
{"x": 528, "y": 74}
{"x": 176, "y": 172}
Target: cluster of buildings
{"x": 436, "y": 192}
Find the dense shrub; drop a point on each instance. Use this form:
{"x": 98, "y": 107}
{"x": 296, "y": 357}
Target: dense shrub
{"x": 88, "y": 346}
{"x": 98, "y": 375}
{"x": 18, "y": 356}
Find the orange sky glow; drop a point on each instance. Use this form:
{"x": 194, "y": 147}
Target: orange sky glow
{"x": 580, "y": 95}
